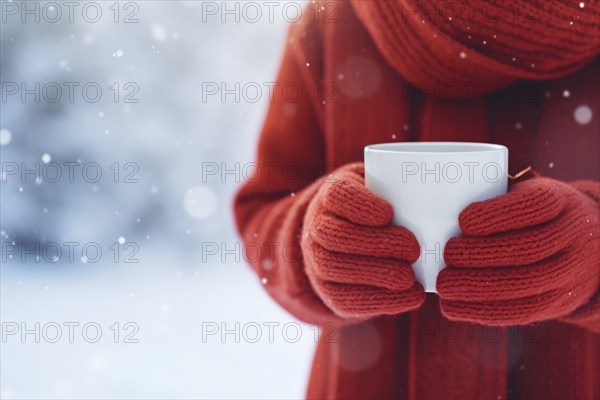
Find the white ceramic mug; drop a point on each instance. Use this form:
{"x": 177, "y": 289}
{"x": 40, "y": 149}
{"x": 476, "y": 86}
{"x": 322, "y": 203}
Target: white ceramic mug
{"x": 429, "y": 184}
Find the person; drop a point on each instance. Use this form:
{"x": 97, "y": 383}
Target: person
{"x": 517, "y": 310}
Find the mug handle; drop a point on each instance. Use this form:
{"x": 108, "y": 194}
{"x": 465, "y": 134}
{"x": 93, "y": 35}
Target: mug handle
{"x": 523, "y": 175}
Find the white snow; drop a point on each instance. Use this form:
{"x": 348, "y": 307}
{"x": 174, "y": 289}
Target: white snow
{"x": 5, "y": 137}
{"x": 583, "y": 115}
{"x": 171, "y": 359}
{"x": 267, "y": 264}
{"x": 200, "y": 202}
{"x": 159, "y": 33}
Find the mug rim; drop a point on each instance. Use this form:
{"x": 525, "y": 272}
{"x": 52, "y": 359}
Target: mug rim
{"x": 479, "y": 147}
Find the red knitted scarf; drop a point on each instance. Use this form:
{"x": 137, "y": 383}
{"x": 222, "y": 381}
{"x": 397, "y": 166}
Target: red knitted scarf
{"x": 491, "y": 43}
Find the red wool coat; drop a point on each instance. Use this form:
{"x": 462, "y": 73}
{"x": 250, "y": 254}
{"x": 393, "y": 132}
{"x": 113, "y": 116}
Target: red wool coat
{"x": 341, "y": 87}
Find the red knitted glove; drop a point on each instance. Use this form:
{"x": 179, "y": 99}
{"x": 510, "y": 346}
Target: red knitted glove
{"x": 529, "y": 255}
{"x": 358, "y": 264}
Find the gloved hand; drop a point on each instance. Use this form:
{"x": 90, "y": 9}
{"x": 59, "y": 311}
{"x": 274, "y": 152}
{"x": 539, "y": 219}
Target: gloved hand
{"x": 357, "y": 263}
{"x": 529, "y": 255}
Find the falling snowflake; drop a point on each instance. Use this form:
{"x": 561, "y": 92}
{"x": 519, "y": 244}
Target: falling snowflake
{"x": 583, "y": 115}
{"x": 267, "y": 264}
{"x": 46, "y": 158}
{"x": 159, "y": 33}
{"x": 566, "y": 94}
{"x": 121, "y": 240}
{"x": 200, "y": 202}
{"x": 5, "y": 137}
{"x": 463, "y": 54}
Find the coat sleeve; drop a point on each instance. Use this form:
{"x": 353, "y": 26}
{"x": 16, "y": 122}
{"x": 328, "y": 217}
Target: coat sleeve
{"x": 588, "y": 316}
{"x": 270, "y": 206}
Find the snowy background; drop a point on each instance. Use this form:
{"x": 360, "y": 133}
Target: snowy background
{"x": 156, "y": 132}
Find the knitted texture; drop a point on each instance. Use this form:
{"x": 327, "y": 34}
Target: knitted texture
{"x": 526, "y": 256}
{"x": 355, "y": 84}
{"x": 357, "y": 262}
{"x": 439, "y": 42}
